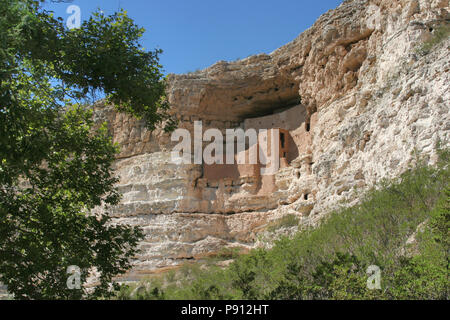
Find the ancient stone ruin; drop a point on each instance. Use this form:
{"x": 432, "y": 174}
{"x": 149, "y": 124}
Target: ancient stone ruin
{"x": 351, "y": 98}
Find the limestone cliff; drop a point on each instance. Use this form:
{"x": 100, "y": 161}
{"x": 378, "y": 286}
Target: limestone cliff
{"x": 351, "y": 92}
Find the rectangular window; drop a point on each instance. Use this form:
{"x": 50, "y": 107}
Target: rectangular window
{"x": 282, "y": 140}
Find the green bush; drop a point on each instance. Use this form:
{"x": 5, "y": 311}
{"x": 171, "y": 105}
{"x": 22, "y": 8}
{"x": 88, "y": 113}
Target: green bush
{"x": 440, "y": 34}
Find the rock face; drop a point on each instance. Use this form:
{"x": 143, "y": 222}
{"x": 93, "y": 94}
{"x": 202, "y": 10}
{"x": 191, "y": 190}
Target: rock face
{"x": 354, "y": 100}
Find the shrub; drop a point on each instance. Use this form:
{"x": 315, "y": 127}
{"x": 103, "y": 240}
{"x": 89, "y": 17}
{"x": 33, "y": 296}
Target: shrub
{"x": 440, "y": 34}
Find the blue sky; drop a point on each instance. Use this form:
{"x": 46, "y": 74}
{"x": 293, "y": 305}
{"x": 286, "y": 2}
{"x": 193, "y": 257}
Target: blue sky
{"x": 197, "y": 33}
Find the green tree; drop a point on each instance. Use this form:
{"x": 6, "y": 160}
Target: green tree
{"x": 294, "y": 285}
{"x": 55, "y": 165}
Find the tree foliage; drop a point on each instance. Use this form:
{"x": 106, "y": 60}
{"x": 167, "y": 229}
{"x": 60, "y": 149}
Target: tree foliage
{"x": 55, "y": 164}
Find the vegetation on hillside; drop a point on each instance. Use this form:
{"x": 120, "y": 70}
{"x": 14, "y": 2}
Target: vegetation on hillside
{"x": 402, "y": 227}
{"x": 441, "y": 33}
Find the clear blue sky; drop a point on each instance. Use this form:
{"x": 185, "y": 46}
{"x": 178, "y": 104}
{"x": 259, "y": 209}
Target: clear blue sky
{"x": 194, "y": 34}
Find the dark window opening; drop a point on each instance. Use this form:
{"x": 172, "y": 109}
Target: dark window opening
{"x": 305, "y": 196}
{"x": 282, "y": 140}
{"x": 308, "y": 127}
{"x": 298, "y": 175}
{"x": 284, "y": 154}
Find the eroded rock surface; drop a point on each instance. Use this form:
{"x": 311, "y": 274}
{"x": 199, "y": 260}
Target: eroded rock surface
{"x": 354, "y": 97}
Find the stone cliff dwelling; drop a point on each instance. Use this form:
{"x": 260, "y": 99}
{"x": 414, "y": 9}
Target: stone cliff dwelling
{"x": 294, "y": 136}
{"x": 366, "y": 104}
